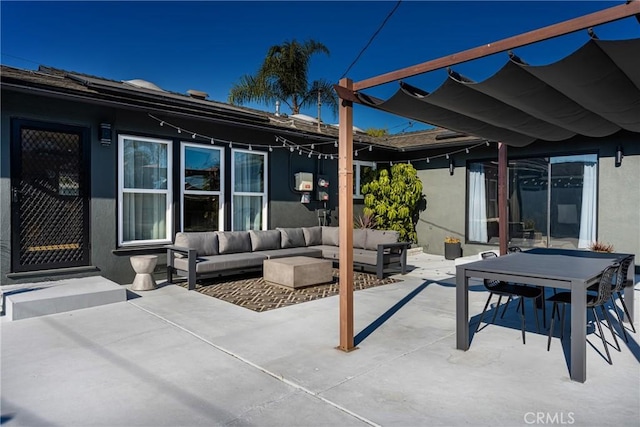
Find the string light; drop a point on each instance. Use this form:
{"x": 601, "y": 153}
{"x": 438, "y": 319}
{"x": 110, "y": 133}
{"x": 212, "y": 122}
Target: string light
{"x": 309, "y": 149}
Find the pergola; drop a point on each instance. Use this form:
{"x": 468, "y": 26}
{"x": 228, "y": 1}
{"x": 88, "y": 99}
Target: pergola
{"x": 517, "y": 106}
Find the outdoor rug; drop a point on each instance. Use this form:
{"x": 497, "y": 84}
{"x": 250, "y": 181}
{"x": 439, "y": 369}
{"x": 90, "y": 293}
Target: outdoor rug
{"x": 257, "y": 295}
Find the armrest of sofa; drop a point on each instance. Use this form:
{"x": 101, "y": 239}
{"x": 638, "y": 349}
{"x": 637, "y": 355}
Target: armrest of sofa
{"x": 397, "y": 248}
{"x": 192, "y": 256}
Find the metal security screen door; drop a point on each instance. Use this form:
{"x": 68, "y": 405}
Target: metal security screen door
{"x": 50, "y": 200}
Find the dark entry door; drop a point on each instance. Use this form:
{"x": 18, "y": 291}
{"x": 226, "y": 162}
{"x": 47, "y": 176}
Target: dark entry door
{"x": 50, "y": 196}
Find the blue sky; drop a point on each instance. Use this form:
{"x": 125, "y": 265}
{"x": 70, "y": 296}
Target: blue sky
{"x": 208, "y": 45}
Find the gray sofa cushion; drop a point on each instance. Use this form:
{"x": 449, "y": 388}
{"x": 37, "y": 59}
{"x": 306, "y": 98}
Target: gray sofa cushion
{"x": 291, "y": 237}
{"x": 211, "y": 264}
{"x": 204, "y": 242}
{"x": 330, "y": 236}
{"x": 312, "y": 235}
{"x": 231, "y": 242}
{"x": 359, "y": 238}
{"x": 289, "y": 252}
{"x": 377, "y": 237}
{"x": 328, "y": 251}
{"x": 262, "y": 240}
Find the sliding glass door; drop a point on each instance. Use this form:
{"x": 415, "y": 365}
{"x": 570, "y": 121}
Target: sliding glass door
{"x": 552, "y": 202}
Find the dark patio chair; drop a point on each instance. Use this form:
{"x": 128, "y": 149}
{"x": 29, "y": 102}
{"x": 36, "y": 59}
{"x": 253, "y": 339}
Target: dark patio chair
{"x": 616, "y": 290}
{"x": 509, "y": 290}
{"x": 599, "y": 299}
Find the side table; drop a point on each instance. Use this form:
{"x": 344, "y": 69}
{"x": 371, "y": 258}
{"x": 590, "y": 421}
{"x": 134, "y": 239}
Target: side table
{"x": 143, "y": 265}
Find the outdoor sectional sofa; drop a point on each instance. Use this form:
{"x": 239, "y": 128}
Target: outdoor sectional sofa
{"x": 200, "y": 255}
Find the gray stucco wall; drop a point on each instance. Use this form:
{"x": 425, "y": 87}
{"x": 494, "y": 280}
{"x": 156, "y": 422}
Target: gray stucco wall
{"x": 618, "y": 193}
{"x": 106, "y": 258}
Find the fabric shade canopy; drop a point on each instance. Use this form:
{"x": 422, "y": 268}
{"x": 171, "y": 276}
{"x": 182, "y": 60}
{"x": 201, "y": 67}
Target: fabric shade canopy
{"x": 594, "y": 92}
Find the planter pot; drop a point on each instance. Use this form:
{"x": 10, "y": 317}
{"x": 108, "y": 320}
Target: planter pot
{"x": 452, "y": 250}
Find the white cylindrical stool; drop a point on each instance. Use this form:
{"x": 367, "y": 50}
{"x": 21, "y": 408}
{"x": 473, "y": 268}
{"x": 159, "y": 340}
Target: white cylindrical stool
{"x": 143, "y": 265}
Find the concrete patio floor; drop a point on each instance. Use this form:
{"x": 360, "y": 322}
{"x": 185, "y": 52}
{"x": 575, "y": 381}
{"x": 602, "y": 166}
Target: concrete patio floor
{"x": 173, "y": 357}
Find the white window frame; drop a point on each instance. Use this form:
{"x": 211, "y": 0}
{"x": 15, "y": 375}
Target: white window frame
{"x": 167, "y": 192}
{"x": 358, "y": 164}
{"x": 184, "y": 192}
{"x": 265, "y": 186}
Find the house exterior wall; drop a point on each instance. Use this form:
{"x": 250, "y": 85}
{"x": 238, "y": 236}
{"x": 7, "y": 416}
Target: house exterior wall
{"x": 618, "y": 219}
{"x": 106, "y": 258}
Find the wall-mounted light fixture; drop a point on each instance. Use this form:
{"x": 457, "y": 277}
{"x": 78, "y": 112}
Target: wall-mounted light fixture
{"x": 105, "y": 134}
{"x": 451, "y": 165}
{"x": 619, "y": 155}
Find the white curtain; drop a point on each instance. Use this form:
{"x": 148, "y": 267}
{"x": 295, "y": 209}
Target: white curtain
{"x": 588, "y": 214}
{"x": 477, "y": 204}
{"x": 144, "y": 168}
{"x": 248, "y": 187}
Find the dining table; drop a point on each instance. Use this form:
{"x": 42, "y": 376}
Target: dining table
{"x": 569, "y": 269}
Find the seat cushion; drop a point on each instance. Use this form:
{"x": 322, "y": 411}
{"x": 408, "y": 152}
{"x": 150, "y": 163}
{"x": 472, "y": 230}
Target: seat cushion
{"x": 289, "y": 252}
{"x": 291, "y": 237}
{"x": 204, "y": 242}
{"x": 231, "y": 242}
{"x": 262, "y": 240}
{"x": 210, "y": 264}
{"x": 328, "y": 251}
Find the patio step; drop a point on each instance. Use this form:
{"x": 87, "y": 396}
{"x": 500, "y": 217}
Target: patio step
{"x": 40, "y": 299}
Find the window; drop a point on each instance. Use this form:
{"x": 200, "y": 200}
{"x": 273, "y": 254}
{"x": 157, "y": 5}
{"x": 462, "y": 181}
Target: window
{"x": 144, "y": 190}
{"x": 202, "y": 184}
{"x": 360, "y": 171}
{"x": 249, "y": 190}
{"x": 551, "y": 201}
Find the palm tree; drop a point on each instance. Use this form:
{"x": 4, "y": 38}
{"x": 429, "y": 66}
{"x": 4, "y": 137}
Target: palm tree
{"x": 283, "y": 76}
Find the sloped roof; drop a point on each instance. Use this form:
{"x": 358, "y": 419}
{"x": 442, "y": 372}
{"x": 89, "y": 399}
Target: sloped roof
{"x": 98, "y": 88}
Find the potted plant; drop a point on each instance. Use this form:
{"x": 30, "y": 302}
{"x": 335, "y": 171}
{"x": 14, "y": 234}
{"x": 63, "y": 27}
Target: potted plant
{"x": 452, "y": 248}
{"x": 601, "y": 247}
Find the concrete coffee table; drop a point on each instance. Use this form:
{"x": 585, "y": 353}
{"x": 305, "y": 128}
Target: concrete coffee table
{"x": 298, "y": 271}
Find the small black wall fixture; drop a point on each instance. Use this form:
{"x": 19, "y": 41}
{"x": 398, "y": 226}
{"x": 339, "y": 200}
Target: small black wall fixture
{"x": 105, "y": 134}
{"x": 619, "y": 155}
{"x": 451, "y": 166}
